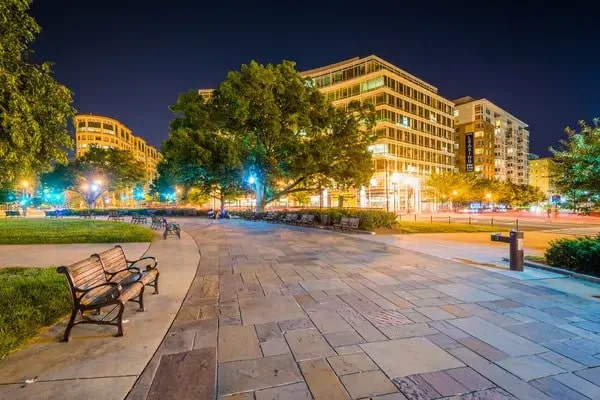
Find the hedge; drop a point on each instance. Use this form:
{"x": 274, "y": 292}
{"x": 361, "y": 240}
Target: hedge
{"x": 580, "y": 255}
{"x": 369, "y": 219}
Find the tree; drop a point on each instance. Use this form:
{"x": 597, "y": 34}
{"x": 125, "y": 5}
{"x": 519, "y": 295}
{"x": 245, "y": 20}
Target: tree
{"x": 291, "y": 139}
{"x": 98, "y": 171}
{"x": 576, "y": 170}
{"x": 34, "y": 108}
{"x": 197, "y": 154}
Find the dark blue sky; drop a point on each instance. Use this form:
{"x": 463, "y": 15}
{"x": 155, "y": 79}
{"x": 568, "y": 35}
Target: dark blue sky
{"x": 130, "y": 59}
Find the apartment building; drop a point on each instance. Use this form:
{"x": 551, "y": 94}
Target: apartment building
{"x": 539, "y": 175}
{"x": 108, "y": 132}
{"x": 490, "y": 141}
{"x": 415, "y": 129}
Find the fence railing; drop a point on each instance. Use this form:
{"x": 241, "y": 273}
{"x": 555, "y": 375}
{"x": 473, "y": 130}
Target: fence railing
{"x": 460, "y": 220}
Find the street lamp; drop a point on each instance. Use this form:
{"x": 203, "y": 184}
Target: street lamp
{"x": 395, "y": 178}
{"x": 454, "y": 193}
{"x": 24, "y": 185}
{"x": 372, "y": 183}
{"x": 252, "y": 181}
{"x": 488, "y": 196}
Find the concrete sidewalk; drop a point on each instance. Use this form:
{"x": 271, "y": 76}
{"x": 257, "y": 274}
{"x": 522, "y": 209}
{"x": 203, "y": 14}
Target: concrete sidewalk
{"x": 94, "y": 364}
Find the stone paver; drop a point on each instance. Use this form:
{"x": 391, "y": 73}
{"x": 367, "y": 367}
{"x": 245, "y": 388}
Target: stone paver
{"x": 418, "y": 355}
{"x": 309, "y": 314}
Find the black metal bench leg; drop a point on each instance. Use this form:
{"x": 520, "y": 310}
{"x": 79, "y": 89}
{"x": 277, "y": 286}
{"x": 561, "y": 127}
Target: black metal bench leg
{"x": 156, "y": 283}
{"x": 120, "y": 320}
{"x": 70, "y": 325}
{"x": 141, "y": 298}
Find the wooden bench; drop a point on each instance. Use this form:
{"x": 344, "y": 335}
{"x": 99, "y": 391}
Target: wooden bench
{"x": 306, "y": 220}
{"x": 115, "y": 216}
{"x": 347, "y": 224}
{"x": 86, "y": 215}
{"x": 138, "y": 219}
{"x": 91, "y": 291}
{"x": 290, "y": 219}
{"x": 53, "y": 214}
{"x": 157, "y": 222}
{"x": 171, "y": 228}
{"x": 12, "y": 213}
{"x": 119, "y": 269}
{"x": 271, "y": 217}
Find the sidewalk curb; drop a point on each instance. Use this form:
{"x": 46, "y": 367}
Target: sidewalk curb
{"x": 561, "y": 271}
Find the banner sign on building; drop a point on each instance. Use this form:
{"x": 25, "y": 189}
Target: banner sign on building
{"x": 469, "y": 159}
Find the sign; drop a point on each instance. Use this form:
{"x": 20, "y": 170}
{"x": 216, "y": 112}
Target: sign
{"x": 555, "y": 199}
{"x": 469, "y": 159}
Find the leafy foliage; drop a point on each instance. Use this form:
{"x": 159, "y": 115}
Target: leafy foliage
{"x": 580, "y": 255}
{"x": 34, "y": 108}
{"x": 196, "y": 154}
{"x": 458, "y": 187}
{"x": 96, "y": 172}
{"x": 576, "y": 167}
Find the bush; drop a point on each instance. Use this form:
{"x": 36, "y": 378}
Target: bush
{"x": 30, "y": 299}
{"x": 369, "y": 219}
{"x": 581, "y": 255}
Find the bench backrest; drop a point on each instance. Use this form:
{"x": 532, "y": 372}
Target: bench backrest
{"x": 308, "y": 218}
{"x": 351, "y": 222}
{"x": 84, "y": 273}
{"x": 113, "y": 259}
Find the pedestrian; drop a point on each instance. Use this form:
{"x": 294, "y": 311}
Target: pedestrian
{"x": 549, "y": 211}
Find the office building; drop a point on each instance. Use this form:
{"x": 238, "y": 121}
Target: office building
{"x": 415, "y": 129}
{"x": 108, "y": 132}
{"x": 490, "y": 141}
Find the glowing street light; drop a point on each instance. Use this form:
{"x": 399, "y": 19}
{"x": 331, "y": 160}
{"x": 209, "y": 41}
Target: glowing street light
{"x": 252, "y": 181}
{"x": 372, "y": 183}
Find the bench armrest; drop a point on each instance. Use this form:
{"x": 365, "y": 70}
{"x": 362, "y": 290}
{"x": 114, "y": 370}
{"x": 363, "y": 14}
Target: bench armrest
{"x": 152, "y": 262}
{"x": 114, "y": 284}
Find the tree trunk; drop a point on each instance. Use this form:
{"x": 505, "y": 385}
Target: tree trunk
{"x": 260, "y": 197}
{"x": 222, "y": 201}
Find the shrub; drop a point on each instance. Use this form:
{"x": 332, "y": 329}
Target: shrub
{"x": 369, "y": 219}
{"x": 580, "y": 255}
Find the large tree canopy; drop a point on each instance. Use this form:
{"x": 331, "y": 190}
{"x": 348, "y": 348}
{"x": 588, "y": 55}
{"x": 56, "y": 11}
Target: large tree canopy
{"x": 290, "y": 138}
{"x": 98, "y": 171}
{"x": 576, "y": 167}
{"x": 459, "y": 187}
{"x": 197, "y": 154}
{"x": 34, "y": 108}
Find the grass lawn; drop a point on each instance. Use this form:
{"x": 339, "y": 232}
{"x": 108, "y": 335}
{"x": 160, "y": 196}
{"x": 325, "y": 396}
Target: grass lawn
{"x": 63, "y": 231}
{"x": 435, "y": 227}
{"x": 537, "y": 259}
{"x": 30, "y": 299}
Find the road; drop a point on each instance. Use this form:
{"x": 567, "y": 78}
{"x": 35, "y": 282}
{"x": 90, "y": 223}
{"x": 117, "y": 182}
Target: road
{"x": 567, "y": 224}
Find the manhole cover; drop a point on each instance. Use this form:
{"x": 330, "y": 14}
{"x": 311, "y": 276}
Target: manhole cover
{"x": 387, "y": 318}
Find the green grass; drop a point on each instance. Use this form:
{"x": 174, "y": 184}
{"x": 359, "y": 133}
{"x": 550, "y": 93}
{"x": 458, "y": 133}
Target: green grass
{"x": 30, "y": 299}
{"x": 537, "y": 259}
{"x": 63, "y": 231}
{"x": 436, "y": 227}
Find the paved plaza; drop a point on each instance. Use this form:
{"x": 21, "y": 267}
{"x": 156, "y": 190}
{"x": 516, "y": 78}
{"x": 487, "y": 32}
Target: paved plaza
{"x": 277, "y": 312}
{"x": 282, "y": 312}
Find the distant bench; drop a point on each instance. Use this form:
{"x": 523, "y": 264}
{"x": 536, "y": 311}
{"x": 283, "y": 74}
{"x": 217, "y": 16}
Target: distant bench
{"x": 12, "y": 213}
{"x": 347, "y": 224}
{"x": 53, "y": 213}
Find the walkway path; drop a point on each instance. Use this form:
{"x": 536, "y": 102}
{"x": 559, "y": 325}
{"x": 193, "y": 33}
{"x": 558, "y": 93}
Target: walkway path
{"x": 304, "y": 313}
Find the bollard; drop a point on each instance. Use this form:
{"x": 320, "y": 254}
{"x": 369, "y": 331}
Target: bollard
{"x": 516, "y": 250}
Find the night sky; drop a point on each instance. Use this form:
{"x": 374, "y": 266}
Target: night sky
{"x": 130, "y": 59}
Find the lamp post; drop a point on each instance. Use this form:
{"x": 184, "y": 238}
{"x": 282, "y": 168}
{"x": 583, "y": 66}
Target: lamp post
{"x": 454, "y": 193}
{"x": 90, "y": 190}
{"x": 252, "y": 181}
{"x": 24, "y": 186}
{"x": 395, "y": 178}
{"x": 372, "y": 183}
